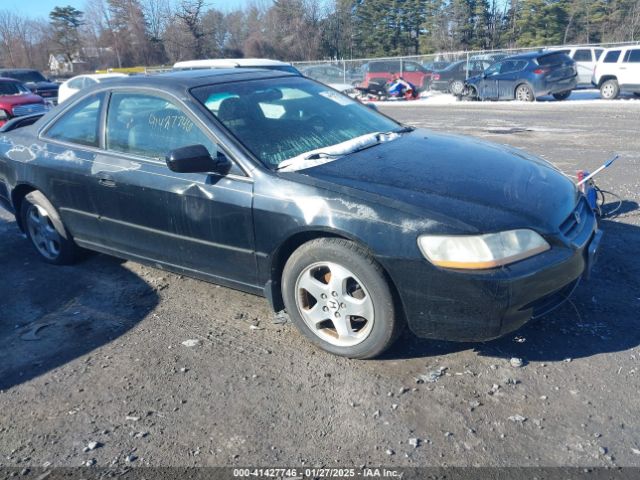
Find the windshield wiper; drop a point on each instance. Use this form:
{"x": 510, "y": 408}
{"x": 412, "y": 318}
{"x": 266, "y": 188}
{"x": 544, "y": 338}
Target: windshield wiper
{"x": 404, "y": 129}
{"x": 345, "y": 148}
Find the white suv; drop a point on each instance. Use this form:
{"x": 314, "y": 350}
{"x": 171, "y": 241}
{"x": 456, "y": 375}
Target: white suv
{"x": 586, "y": 59}
{"x": 618, "y": 69}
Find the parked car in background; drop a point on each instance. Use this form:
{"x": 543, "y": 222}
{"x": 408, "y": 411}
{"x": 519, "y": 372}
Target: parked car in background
{"x": 586, "y": 59}
{"x": 34, "y": 81}
{"x": 75, "y": 84}
{"x": 16, "y": 100}
{"x": 324, "y": 73}
{"x": 618, "y": 70}
{"x": 381, "y": 71}
{"x": 452, "y": 78}
{"x": 436, "y": 65}
{"x": 525, "y": 77}
{"x": 356, "y": 224}
{"x": 264, "y": 63}
{"x": 490, "y": 57}
{"x": 334, "y": 77}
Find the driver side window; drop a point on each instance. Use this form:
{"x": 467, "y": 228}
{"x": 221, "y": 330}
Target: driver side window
{"x": 493, "y": 69}
{"x": 150, "y": 126}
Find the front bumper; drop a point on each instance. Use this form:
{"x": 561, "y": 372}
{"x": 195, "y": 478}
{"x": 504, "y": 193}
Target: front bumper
{"x": 478, "y": 306}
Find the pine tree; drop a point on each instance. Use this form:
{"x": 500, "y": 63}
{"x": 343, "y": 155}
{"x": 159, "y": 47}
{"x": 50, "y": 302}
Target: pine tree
{"x": 65, "y": 22}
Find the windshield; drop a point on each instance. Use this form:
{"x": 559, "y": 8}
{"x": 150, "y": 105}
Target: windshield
{"x": 281, "y": 118}
{"x": 13, "y": 88}
{"x": 26, "y": 77}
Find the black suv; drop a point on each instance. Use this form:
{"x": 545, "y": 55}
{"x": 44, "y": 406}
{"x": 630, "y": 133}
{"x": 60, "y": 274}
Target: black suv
{"x": 35, "y": 81}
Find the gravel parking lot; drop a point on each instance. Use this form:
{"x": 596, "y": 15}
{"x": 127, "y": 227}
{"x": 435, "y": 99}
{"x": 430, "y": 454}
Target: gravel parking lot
{"x": 164, "y": 370}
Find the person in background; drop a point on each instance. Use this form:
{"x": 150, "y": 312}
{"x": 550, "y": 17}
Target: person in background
{"x": 400, "y": 88}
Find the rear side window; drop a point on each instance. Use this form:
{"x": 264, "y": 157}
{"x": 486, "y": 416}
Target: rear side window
{"x": 598, "y": 52}
{"x": 612, "y": 56}
{"x": 582, "y": 55}
{"x": 512, "y": 66}
{"x": 411, "y": 67}
{"x": 150, "y": 126}
{"x": 633, "y": 56}
{"x": 76, "y": 83}
{"x": 80, "y": 124}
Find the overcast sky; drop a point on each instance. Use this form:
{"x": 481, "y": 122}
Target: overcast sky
{"x": 41, "y": 8}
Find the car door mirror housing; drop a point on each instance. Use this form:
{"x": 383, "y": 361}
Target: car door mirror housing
{"x": 196, "y": 159}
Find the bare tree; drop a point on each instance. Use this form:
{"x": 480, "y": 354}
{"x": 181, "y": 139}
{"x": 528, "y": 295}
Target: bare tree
{"x": 190, "y": 12}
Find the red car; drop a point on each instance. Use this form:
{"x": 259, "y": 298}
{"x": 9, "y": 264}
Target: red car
{"x": 16, "y": 100}
{"x": 379, "y": 72}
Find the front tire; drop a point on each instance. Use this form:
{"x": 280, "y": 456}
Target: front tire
{"x": 45, "y": 230}
{"x": 337, "y": 295}
{"x": 562, "y": 95}
{"x": 524, "y": 93}
{"x": 610, "y": 89}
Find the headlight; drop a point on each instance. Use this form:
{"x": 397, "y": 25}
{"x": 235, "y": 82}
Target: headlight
{"x": 481, "y": 251}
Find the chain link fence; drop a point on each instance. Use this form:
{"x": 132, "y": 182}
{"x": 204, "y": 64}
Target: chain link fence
{"x": 361, "y": 71}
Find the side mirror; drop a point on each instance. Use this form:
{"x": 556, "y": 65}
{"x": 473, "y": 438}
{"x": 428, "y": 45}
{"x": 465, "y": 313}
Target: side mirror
{"x": 196, "y": 159}
{"x": 372, "y": 106}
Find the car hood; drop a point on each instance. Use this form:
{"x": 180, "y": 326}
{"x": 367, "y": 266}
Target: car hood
{"x": 15, "y": 100}
{"x": 467, "y": 184}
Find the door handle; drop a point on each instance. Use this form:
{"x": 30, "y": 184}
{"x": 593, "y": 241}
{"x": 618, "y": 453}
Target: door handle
{"x": 106, "y": 181}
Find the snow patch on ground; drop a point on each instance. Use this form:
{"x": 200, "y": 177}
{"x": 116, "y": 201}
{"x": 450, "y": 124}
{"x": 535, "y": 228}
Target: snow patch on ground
{"x": 578, "y": 97}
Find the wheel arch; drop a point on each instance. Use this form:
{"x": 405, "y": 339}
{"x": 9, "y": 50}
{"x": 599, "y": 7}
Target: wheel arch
{"x": 17, "y": 196}
{"x": 272, "y": 289}
{"x": 519, "y": 84}
{"x": 606, "y": 78}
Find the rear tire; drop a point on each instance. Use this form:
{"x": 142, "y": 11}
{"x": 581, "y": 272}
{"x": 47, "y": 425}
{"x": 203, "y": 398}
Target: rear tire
{"x": 562, "y": 95}
{"x": 45, "y": 230}
{"x": 610, "y": 89}
{"x": 456, "y": 87}
{"x": 337, "y": 295}
{"x": 524, "y": 93}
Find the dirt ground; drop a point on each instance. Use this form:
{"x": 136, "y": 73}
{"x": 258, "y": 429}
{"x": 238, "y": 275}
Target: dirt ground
{"x": 95, "y": 353}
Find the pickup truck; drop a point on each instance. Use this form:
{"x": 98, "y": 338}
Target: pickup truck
{"x": 16, "y": 100}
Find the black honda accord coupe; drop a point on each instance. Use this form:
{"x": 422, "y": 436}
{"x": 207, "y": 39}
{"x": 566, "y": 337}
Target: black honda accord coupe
{"x": 279, "y": 186}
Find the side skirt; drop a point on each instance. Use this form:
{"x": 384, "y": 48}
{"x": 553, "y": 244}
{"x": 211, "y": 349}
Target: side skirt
{"x": 207, "y": 277}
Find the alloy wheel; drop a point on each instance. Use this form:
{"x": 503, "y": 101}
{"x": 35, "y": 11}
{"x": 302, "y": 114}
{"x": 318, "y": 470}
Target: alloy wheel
{"x": 334, "y": 304}
{"x": 608, "y": 90}
{"x": 456, "y": 87}
{"x": 523, "y": 94}
{"x": 42, "y": 232}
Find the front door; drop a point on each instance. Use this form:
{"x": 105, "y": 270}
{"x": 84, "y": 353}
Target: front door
{"x": 200, "y": 222}
{"x": 71, "y": 145}
{"x": 489, "y": 82}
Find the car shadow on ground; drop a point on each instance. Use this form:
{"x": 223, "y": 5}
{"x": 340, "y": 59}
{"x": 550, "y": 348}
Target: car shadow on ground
{"x": 601, "y": 316}
{"x": 51, "y": 315}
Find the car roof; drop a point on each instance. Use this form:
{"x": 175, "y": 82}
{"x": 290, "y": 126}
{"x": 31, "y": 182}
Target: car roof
{"x": 229, "y": 63}
{"x": 7, "y": 79}
{"x": 100, "y": 75}
{"x": 180, "y": 80}
{"x": 531, "y": 55}
{"x": 2, "y": 70}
